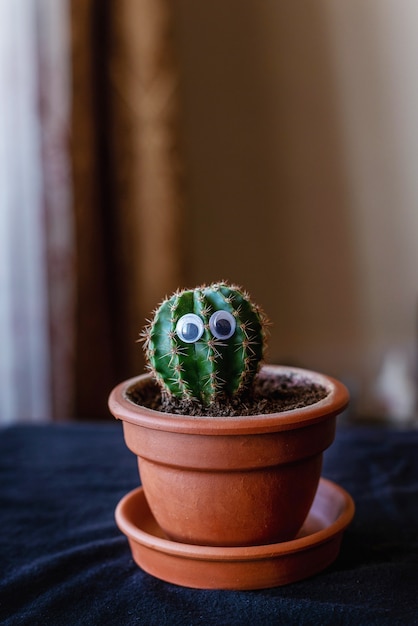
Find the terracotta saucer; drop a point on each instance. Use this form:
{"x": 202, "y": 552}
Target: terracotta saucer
{"x": 252, "y": 567}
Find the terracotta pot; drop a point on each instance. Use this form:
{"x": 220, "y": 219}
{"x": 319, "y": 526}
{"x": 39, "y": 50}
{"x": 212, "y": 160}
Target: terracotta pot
{"x": 230, "y": 481}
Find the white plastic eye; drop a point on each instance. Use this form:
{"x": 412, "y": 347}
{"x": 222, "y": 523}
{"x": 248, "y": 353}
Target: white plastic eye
{"x": 190, "y": 328}
{"x": 222, "y": 324}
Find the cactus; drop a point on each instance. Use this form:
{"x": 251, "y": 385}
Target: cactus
{"x": 205, "y": 343}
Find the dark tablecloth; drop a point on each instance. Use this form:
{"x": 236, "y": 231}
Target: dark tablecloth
{"x": 64, "y": 561}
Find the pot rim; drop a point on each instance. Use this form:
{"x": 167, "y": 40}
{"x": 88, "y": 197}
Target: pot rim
{"x": 334, "y": 403}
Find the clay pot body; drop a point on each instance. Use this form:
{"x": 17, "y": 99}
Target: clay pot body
{"x": 230, "y": 481}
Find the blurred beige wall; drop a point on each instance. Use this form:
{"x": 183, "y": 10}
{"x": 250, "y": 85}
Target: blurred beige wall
{"x": 300, "y": 128}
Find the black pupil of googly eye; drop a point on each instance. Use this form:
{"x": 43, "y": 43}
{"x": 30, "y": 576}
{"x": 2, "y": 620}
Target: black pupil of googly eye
{"x": 222, "y": 327}
{"x": 190, "y": 332}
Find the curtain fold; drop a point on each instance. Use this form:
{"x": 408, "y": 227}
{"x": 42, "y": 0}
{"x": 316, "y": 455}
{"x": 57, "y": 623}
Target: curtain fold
{"x": 54, "y": 106}
{"x": 127, "y": 185}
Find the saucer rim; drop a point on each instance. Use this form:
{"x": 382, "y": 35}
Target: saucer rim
{"x": 238, "y": 553}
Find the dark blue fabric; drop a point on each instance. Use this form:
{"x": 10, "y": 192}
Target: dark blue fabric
{"x": 63, "y": 560}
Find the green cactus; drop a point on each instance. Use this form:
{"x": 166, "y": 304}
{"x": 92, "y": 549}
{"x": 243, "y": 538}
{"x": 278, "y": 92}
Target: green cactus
{"x": 205, "y": 342}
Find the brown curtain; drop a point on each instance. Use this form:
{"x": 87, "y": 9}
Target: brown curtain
{"x": 127, "y": 185}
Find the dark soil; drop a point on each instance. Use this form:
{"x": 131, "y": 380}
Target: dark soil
{"x": 270, "y": 394}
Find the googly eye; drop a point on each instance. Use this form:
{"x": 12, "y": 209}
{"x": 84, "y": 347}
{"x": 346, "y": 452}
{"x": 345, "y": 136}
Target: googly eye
{"x": 222, "y": 324}
{"x": 190, "y": 328}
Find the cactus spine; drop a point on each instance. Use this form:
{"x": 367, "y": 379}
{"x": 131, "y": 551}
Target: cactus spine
{"x": 205, "y": 342}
